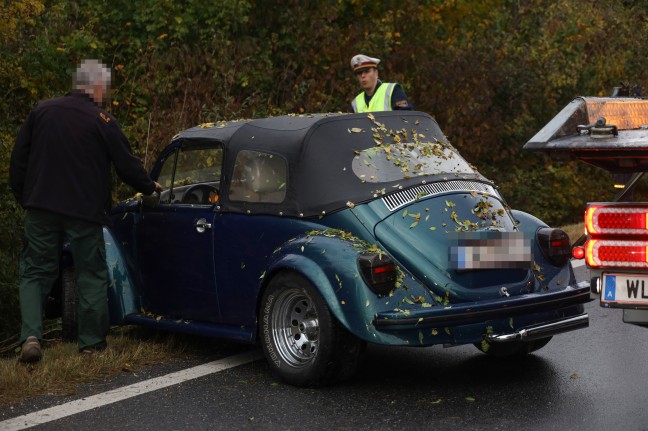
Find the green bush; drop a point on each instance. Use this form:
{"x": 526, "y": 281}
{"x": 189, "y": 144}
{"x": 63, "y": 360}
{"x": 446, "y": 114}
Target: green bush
{"x": 10, "y": 245}
{"x": 491, "y": 72}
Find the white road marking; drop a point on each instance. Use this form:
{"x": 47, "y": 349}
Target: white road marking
{"x": 119, "y": 394}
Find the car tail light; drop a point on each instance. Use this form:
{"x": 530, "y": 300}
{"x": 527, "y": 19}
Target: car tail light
{"x": 554, "y": 245}
{"x": 616, "y": 253}
{"x": 378, "y": 271}
{"x": 616, "y": 220}
{"x": 578, "y": 252}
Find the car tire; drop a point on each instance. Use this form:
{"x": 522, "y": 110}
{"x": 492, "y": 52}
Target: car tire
{"x": 302, "y": 341}
{"x": 69, "y": 305}
{"x": 513, "y": 348}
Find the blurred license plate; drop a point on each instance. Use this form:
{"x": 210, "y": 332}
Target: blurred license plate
{"x": 490, "y": 250}
{"x": 625, "y": 289}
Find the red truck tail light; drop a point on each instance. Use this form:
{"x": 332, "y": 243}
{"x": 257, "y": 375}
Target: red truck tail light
{"x": 612, "y": 253}
{"x": 616, "y": 220}
{"x": 578, "y": 252}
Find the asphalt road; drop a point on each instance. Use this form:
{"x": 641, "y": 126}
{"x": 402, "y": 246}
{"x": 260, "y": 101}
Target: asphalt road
{"x": 591, "y": 379}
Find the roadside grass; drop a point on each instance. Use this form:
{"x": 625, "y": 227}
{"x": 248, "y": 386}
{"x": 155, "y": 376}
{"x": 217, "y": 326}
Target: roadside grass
{"x": 62, "y": 368}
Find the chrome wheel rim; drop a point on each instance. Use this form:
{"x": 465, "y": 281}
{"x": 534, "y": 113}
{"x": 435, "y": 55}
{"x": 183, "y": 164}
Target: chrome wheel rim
{"x": 295, "y": 328}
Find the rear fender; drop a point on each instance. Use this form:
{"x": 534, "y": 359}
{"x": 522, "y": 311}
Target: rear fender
{"x": 547, "y": 275}
{"x": 330, "y": 263}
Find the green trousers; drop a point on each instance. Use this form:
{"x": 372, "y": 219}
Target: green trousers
{"x": 39, "y": 269}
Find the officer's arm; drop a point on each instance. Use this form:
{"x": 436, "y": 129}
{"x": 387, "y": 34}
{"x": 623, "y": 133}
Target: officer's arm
{"x": 399, "y": 100}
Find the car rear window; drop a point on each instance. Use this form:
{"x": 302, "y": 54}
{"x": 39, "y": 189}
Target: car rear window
{"x": 407, "y": 160}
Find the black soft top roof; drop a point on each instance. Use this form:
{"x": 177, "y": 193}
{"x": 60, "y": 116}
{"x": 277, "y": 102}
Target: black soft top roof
{"x": 608, "y": 132}
{"x": 223, "y": 131}
{"x": 319, "y": 150}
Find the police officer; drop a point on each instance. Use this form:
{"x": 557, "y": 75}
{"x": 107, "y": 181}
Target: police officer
{"x": 60, "y": 172}
{"x": 376, "y": 95}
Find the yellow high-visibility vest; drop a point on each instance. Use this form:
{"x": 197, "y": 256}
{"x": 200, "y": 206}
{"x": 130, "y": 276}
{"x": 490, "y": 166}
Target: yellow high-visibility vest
{"x": 381, "y": 100}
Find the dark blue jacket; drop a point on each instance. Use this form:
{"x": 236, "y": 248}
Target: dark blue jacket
{"x": 61, "y": 161}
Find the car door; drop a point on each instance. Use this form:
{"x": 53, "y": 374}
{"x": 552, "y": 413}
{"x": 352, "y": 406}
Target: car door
{"x": 175, "y": 238}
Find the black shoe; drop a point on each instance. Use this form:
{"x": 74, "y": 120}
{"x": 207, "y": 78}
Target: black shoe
{"x": 31, "y": 350}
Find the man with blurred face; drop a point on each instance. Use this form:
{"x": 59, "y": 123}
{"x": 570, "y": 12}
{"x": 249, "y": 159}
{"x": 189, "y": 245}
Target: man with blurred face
{"x": 60, "y": 172}
{"x": 376, "y": 95}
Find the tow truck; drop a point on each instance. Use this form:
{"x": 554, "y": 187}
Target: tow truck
{"x": 610, "y": 133}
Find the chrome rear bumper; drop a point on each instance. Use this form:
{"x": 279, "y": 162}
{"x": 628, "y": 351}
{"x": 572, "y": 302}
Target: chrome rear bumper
{"x": 542, "y": 330}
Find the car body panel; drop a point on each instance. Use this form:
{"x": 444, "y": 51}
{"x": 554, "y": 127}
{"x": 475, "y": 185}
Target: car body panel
{"x": 428, "y": 226}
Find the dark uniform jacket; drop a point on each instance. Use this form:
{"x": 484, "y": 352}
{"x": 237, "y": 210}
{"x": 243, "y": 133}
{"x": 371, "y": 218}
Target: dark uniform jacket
{"x": 62, "y": 157}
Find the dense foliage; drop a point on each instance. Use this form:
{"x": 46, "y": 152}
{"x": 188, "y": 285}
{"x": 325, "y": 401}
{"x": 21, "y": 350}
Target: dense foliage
{"x": 492, "y": 73}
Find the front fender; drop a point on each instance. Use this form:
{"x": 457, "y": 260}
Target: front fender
{"x": 122, "y": 293}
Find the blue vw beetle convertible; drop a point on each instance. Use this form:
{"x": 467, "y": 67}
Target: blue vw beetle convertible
{"x": 313, "y": 235}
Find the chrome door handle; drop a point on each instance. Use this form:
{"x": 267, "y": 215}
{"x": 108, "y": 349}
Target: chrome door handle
{"x": 201, "y": 225}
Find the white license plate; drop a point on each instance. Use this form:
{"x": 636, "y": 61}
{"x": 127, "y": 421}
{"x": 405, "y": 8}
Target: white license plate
{"x": 490, "y": 250}
{"x": 625, "y": 290}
